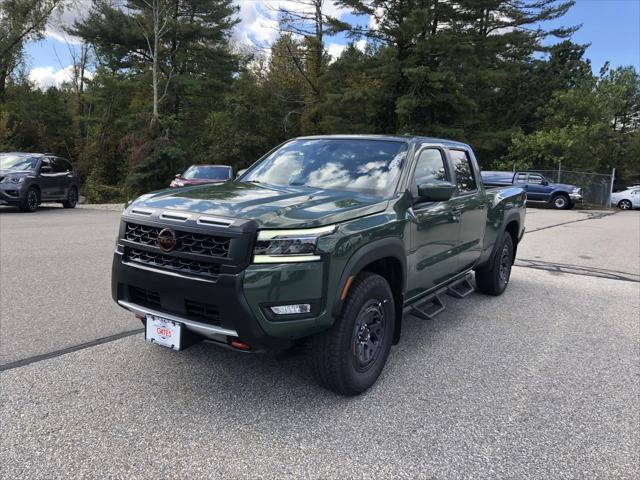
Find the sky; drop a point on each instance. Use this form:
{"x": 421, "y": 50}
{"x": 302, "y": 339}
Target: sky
{"x": 611, "y": 27}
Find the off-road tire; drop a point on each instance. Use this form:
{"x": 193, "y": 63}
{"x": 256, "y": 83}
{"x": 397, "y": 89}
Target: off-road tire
{"x": 491, "y": 279}
{"x": 72, "y": 198}
{"x": 337, "y": 353}
{"x": 30, "y": 201}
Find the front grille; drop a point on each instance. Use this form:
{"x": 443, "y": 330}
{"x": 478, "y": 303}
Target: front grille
{"x": 144, "y": 297}
{"x": 183, "y": 265}
{"x": 188, "y": 242}
{"x": 201, "y": 311}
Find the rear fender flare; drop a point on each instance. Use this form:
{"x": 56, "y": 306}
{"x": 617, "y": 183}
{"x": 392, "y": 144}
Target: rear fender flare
{"x": 512, "y": 216}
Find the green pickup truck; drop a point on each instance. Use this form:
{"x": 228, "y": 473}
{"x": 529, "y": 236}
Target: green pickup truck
{"x": 326, "y": 241}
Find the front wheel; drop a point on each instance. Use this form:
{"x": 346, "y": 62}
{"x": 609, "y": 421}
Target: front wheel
{"x": 72, "y": 198}
{"x": 624, "y": 205}
{"x": 561, "y": 202}
{"x": 494, "y": 278}
{"x": 30, "y": 201}
{"x": 349, "y": 357}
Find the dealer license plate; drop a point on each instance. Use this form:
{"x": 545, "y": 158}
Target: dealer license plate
{"x": 164, "y": 332}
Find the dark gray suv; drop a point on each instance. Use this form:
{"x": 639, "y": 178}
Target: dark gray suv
{"x": 27, "y": 179}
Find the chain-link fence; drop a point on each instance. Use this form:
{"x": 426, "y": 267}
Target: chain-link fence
{"x": 596, "y": 187}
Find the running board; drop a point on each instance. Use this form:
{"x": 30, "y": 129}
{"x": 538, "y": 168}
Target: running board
{"x": 461, "y": 288}
{"x": 427, "y": 309}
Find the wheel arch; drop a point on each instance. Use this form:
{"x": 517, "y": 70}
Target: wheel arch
{"x": 511, "y": 225}
{"x": 385, "y": 257}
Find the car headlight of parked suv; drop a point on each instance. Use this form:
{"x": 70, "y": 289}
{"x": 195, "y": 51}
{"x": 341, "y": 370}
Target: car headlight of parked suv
{"x": 576, "y": 193}
{"x": 283, "y": 246}
{"x": 13, "y": 180}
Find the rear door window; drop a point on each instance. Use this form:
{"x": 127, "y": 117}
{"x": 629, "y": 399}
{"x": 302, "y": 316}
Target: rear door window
{"x": 521, "y": 178}
{"x": 60, "y": 165}
{"x": 465, "y": 178}
{"x": 535, "y": 179}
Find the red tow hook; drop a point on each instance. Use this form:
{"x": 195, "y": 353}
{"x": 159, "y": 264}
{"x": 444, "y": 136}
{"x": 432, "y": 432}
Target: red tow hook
{"x": 240, "y": 345}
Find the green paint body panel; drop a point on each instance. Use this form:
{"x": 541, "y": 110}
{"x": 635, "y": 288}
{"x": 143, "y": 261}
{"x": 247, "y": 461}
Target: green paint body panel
{"x": 440, "y": 240}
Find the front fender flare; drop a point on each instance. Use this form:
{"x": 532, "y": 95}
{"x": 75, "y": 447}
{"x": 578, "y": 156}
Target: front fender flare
{"x": 386, "y": 247}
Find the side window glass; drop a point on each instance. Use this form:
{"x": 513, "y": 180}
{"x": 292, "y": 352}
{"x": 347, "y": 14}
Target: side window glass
{"x": 430, "y": 166}
{"x": 55, "y": 165}
{"x": 464, "y": 172}
{"x": 521, "y": 178}
{"x": 59, "y": 165}
{"x": 46, "y": 166}
{"x": 64, "y": 165}
{"x": 535, "y": 179}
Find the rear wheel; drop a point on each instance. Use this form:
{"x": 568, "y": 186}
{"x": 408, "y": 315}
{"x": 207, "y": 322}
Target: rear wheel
{"x": 494, "y": 278}
{"x": 624, "y": 205}
{"x": 349, "y": 357}
{"x": 72, "y": 198}
{"x": 30, "y": 201}
{"x": 561, "y": 202}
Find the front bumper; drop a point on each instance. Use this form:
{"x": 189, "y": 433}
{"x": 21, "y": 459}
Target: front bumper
{"x": 576, "y": 197}
{"x": 237, "y": 304}
{"x": 11, "y": 193}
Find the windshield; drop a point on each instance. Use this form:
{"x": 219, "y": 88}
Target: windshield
{"x": 10, "y": 161}
{"x": 207, "y": 173}
{"x": 366, "y": 166}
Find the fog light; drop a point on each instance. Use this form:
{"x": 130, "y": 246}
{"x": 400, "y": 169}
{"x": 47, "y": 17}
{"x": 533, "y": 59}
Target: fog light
{"x": 292, "y": 309}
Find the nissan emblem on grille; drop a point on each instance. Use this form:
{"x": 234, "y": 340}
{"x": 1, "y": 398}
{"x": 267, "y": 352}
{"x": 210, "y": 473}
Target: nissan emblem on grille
{"x": 167, "y": 240}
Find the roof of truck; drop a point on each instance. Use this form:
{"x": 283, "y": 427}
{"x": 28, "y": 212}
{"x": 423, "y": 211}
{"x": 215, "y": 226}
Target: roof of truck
{"x": 393, "y": 138}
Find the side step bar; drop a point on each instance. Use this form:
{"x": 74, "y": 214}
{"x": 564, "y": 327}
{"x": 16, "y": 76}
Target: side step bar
{"x": 461, "y": 288}
{"x": 432, "y": 305}
{"x": 429, "y": 308}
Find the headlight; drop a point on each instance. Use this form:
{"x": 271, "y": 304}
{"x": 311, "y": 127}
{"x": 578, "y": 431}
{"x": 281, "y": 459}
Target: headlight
{"x": 13, "y": 179}
{"x": 280, "y": 246}
{"x": 576, "y": 190}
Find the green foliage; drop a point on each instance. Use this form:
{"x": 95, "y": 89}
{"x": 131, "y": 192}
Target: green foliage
{"x": 97, "y": 192}
{"x": 156, "y": 169}
{"x": 472, "y": 70}
{"x": 591, "y": 127}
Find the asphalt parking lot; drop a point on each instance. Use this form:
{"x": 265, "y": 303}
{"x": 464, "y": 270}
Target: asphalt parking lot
{"x": 542, "y": 382}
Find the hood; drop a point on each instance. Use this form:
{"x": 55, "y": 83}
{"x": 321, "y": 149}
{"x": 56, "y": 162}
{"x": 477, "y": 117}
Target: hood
{"x": 15, "y": 173}
{"x": 270, "y": 206}
{"x": 563, "y": 186}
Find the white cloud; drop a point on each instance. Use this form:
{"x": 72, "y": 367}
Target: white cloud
{"x": 258, "y": 28}
{"x": 45, "y": 77}
{"x": 258, "y": 19}
{"x": 74, "y": 10}
{"x": 335, "y": 49}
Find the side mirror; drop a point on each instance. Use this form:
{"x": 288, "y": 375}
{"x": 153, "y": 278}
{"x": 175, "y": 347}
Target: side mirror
{"x": 45, "y": 169}
{"x": 545, "y": 182}
{"x": 240, "y": 172}
{"x": 436, "y": 191}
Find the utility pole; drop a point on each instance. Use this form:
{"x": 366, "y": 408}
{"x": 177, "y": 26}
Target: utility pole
{"x": 559, "y": 170}
{"x": 613, "y": 177}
